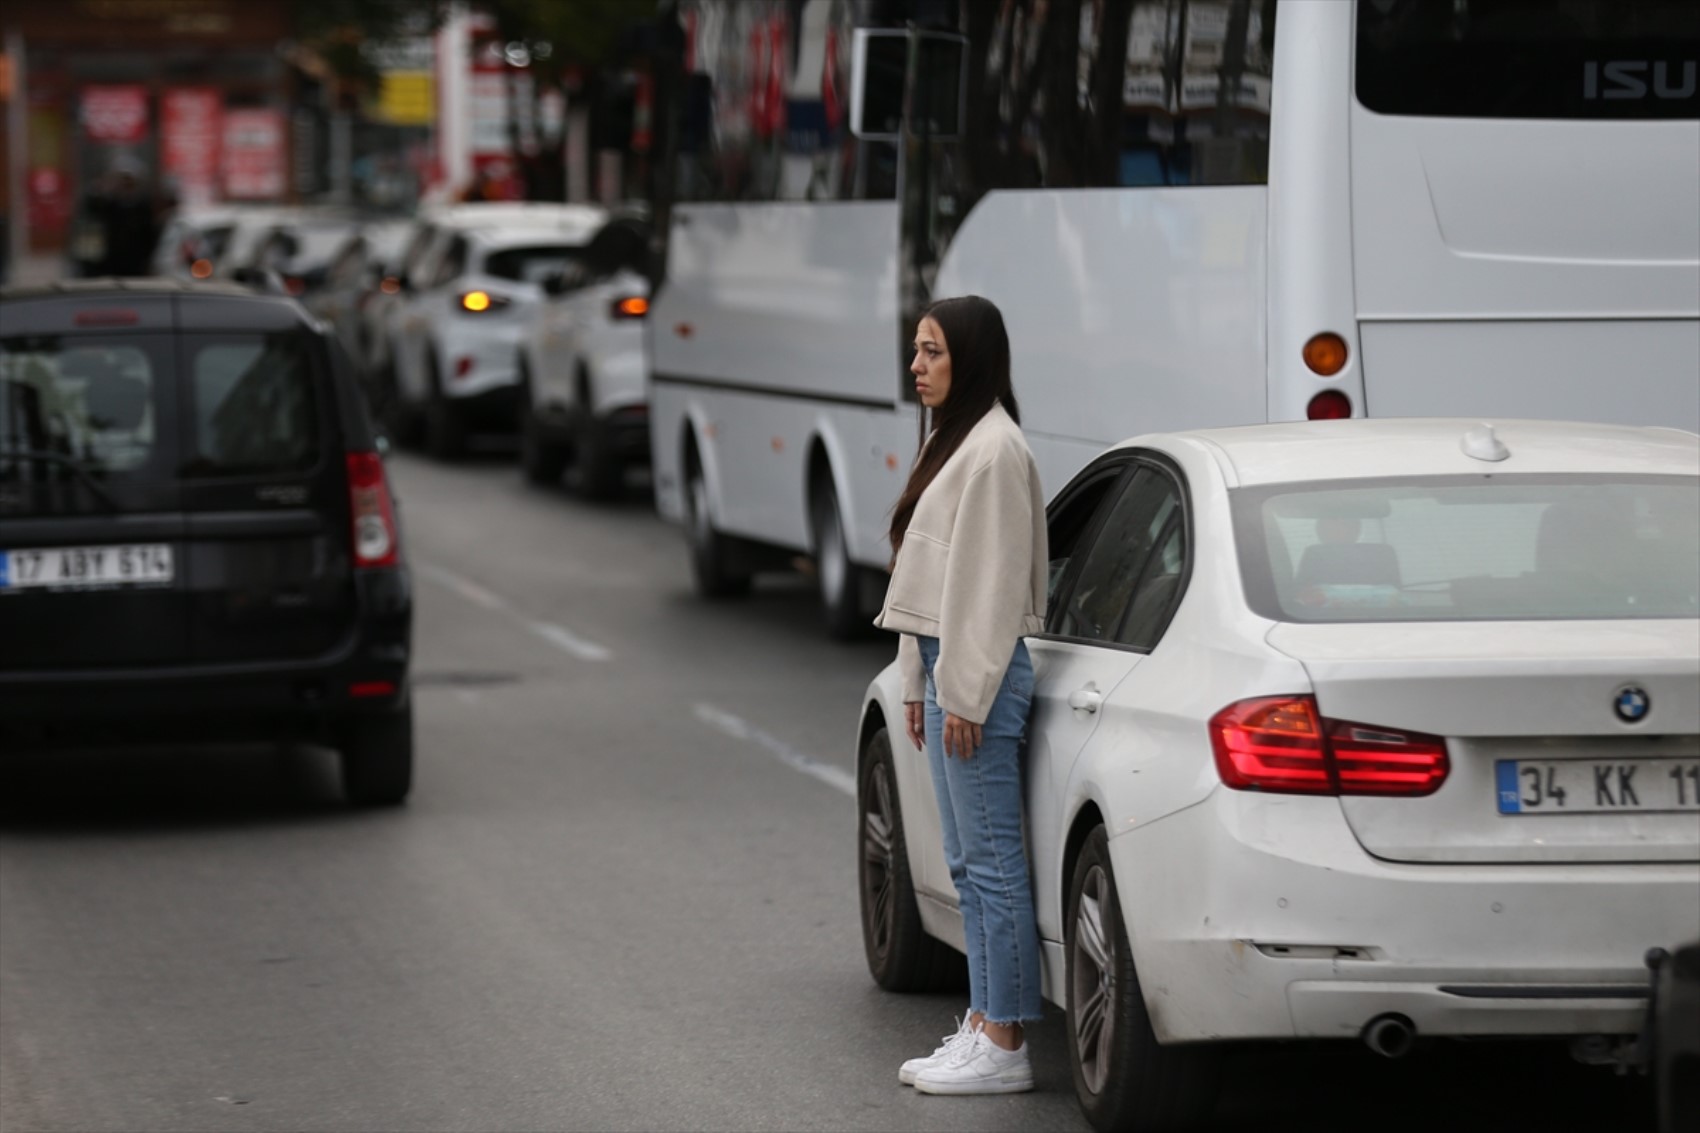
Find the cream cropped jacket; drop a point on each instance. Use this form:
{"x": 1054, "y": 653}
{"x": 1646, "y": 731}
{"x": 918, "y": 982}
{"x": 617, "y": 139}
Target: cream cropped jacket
{"x": 972, "y": 569}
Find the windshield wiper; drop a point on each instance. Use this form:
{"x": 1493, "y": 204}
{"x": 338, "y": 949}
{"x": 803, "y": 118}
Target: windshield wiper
{"x": 77, "y": 465}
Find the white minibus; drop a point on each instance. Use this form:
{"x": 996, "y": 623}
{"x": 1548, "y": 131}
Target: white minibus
{"x": 1191, "y": 212}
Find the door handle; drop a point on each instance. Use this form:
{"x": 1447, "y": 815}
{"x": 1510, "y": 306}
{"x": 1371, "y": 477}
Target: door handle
{"x": 1087, "y": 699}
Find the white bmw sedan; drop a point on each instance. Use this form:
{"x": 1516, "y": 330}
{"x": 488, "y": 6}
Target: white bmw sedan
{"x": 1371, "y": 729}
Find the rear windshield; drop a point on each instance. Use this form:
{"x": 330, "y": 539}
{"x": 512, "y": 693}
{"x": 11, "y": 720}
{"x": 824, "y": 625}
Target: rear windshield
{"x": 532, "y": 265}
{"x": 1516, "y": 59}
{"x": 255, "y": 405}
{"x": 1477, "y": 548}
{"x": 76, "y": 407}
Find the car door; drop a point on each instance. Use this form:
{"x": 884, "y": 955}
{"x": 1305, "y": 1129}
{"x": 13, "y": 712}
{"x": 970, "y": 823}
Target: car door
{"x": 1071, "y": 519}
{"x": 265, "y": 497}
{"x": 1096, "y": 627}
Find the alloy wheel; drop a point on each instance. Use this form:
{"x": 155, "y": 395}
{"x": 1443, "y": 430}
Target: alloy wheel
{"x": 1092, "y": 983}
{"x": 878, "y": 876}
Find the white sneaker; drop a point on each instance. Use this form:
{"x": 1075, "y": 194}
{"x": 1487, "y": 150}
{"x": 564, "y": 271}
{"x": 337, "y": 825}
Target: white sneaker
{"x": 978, "y": 1066}
{"x": 906, "y": 1073}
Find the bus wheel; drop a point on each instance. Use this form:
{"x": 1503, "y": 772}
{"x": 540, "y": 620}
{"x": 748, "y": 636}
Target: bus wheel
{"x": 839, "y": 578}
{"x": 710, "y": 557}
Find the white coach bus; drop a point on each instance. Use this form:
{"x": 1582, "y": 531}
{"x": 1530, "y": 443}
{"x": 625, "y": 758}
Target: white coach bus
{"x": 1192, "y": 213}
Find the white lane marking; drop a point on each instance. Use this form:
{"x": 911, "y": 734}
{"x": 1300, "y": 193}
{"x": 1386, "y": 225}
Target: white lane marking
{"x": 570, "y": 642}
{"x": 835, "y": 777}
{"x": 465, "y": 587}
{"x": 559, "y": 636}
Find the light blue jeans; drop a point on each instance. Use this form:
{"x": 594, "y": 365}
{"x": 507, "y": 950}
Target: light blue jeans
{"x": 980, "y": 809}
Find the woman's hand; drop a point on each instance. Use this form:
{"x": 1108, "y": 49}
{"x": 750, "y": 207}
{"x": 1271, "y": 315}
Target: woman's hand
{"x": 961, "y": 738}
{"x": 915, "y": 720}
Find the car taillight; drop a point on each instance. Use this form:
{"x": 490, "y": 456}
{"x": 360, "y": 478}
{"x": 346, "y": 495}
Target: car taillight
{"x": 629, "y": 307}
{"x": 376, "y": 541}
{"x": 1282, "y": 744}
{"x": 478, "y": 302}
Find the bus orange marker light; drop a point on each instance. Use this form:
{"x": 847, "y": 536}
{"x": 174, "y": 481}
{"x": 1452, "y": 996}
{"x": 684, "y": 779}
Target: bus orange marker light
{"x": 1325, "y": 354}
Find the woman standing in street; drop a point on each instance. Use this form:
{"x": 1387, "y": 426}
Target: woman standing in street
{"x": 968, "y": 581}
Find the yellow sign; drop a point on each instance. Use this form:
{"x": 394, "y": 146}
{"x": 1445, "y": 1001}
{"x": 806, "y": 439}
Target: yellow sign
{"x": 407, "y": 98}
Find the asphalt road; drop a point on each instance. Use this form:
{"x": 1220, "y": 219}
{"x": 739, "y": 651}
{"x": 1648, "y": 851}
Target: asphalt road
{"x": 623, "y": 895}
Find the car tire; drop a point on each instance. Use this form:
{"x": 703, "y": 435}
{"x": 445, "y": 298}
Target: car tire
{"x": 377, "y": 758}
{"x": 839, "y": 579}
{"x": 601, "y": 472}
{"x": 541, "y": 459}
{"x": 445, "y": 431}
{"x": 1123, "y": 1078}
{"x": 901, "y": 956}
{"x": 398, "y": 419}
{"x": 711, "y": 568}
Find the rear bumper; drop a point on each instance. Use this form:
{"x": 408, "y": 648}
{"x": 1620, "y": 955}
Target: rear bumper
{"x": 1259, "y": 916}
{"x": 308, "y": 698}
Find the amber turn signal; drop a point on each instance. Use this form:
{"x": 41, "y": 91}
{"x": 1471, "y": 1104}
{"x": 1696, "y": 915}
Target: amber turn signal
{"x": 1325, "y": 354}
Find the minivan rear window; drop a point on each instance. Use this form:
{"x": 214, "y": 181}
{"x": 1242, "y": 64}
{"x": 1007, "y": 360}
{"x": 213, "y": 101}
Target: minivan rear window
{"x": 1501, "y": 548}
{"x": 1502, "y": 59}
{"x": 78, "y": 406}
{"x": 255, "y": 405}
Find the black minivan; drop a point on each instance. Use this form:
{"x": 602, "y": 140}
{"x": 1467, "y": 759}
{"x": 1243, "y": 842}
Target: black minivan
{"x": 197, "y": 536}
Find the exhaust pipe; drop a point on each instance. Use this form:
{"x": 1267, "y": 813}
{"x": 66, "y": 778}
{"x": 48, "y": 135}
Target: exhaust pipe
{"x": 1391, "y": 1036}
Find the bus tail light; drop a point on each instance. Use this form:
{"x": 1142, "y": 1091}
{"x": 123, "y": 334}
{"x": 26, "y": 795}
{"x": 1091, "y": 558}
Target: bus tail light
{"x": 1281, "y": 744}
{"x": 1329, "y": 405}
{"x": 1325, "y": 354}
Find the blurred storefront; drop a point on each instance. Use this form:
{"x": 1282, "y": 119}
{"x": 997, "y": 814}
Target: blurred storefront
{"x": 189, "y": 98}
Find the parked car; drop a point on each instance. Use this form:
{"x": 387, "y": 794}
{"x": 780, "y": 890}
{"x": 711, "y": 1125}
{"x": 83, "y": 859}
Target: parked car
{"x": 193, "y": 239}
{"x": 381, "y": 316}
{"x": 582, "y": 374}
{"x": 197, "y": 536}
{"x": 301, "y": 249}
{"x": 354, "y": 278}
{"x": 1373, "y": 728}
{"x": 460, "y": 325}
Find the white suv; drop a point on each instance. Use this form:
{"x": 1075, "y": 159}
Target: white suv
{"x": 582, "y": 393}
{"x": 458, "y": 329}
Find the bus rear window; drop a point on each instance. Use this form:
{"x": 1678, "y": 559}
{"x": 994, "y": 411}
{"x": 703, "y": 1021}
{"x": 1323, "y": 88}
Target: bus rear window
{"x": 1582, "y": 59}
{"x": 255, "y": 410}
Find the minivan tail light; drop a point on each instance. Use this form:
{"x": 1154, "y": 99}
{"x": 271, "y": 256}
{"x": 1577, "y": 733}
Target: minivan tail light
{"x": 1282, "y": 744}
{"x": 377, "y": 543}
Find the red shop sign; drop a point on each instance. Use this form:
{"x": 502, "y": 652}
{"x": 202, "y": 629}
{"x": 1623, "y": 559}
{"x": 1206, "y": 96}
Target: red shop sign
{"x": 116, "y": 113}
{"x": 253, "y": 154}
{"x": 191, "y": 122}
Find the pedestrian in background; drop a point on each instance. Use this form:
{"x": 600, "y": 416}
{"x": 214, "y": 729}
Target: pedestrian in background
{"x": 968, "y": 582}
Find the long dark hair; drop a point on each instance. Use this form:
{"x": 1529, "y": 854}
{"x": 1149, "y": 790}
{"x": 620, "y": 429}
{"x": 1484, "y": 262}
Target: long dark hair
{"x": 978, "y": 346}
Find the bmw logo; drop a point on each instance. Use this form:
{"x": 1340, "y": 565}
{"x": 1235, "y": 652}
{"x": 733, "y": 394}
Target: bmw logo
{"x": 1631, "y": 704}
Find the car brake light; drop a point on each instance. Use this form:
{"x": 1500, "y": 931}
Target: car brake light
{"x": 1283, "y": 745}
{"x": 294, "y": 284}
{"x": 629, "y": 307}
{"x": 376, "y": 541}
{"x": 201, "y": 269}
{"x": 1329, "y": 405}
{"x": 106, "y": 317}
